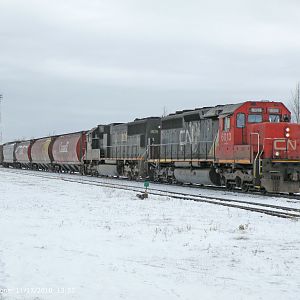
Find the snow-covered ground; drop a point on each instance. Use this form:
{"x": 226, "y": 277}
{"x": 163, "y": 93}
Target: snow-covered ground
{"x": 64, "y": 240}
{"x": 202, "y": 191}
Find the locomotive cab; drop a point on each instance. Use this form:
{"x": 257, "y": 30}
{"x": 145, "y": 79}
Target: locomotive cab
{"x": 277, "y": 160}
{"x": 261, "y": 147}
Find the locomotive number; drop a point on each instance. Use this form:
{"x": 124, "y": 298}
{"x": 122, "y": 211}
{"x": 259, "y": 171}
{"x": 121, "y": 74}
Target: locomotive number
{"x": 225, "y": 137}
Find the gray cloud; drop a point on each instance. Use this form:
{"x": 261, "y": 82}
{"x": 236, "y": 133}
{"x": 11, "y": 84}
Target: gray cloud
{"x": 69, "y": 65}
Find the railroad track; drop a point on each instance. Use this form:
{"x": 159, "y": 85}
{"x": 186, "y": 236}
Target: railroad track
{"x": 294, "y": 197}
{"x": 263, "y": 208}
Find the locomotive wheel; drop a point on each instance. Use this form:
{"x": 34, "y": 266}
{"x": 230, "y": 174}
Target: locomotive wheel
{"x": 263, "y": 191}
{"x": 245, "y": 187}
{"x": 238, "y": 181}
{"x": 229, "y": 186}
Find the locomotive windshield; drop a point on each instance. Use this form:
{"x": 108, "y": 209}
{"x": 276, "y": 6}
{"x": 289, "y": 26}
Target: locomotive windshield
{"x": 254, "y": 118}
{"x": 274, "y": 118}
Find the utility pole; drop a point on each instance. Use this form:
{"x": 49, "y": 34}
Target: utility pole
{"x": 1, "y": 97}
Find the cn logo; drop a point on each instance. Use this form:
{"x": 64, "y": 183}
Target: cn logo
{"x": 185, "y": 137}
{"x": 64, "y": 147}
{"x": 282, "y": 144}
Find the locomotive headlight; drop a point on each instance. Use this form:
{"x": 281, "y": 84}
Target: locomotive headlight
{"x": 277, "y": 153}
{"x": 287, "y": 132}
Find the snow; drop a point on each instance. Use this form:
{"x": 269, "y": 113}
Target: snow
{"x": 65, "y": 240}
{"x": 201, "y": 191}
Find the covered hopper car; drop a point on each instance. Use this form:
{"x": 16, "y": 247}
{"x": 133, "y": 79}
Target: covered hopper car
{"x": 9, "y": 157}
{"x": 23, "y": 154}
{"x": 41, "y": 153}
{"x": 68, "y": 151}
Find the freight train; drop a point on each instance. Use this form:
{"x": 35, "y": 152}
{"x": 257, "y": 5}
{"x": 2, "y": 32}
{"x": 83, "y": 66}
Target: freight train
{"x": 249, "y": 145}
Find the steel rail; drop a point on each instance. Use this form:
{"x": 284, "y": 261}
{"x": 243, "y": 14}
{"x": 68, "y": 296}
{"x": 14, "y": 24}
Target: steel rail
{"x": 279, "y": 211}
{"x": 295, "y": 197}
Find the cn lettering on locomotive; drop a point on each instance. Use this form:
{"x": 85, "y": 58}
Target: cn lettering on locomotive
{"x": 185, "y": 137}
{"x": 283, "y": 144}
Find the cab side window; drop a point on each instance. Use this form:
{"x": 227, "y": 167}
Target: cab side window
{"x": 226, "y": 124}
{"x": 257, "y": 118}
{"x": 240, "y": 120}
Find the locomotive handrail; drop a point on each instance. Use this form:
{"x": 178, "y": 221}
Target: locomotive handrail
{"x": 182, "y": 150}
{"x": 258, "y": 152}
{"x": 121, "y": 151}
{"x": 182, "y": 144}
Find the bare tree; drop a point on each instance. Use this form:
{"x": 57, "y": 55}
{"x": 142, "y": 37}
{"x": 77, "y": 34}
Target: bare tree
{"x": 295, "y": 103}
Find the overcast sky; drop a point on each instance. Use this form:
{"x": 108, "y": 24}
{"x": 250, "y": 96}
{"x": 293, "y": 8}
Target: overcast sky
{"x": 69, "y": 65}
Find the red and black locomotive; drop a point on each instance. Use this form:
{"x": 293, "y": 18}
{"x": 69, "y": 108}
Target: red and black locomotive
{"x": 247, "y": 145}
{"x": 250, "y": 145}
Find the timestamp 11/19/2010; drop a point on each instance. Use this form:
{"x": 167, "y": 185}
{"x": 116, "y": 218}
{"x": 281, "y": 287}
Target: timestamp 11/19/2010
{"x": 37, "y": 290}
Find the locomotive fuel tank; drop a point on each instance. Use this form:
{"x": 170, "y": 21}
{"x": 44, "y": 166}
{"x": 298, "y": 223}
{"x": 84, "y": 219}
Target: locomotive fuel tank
{"x": 197, "y": 176}
{"x": 107, "y": 170}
